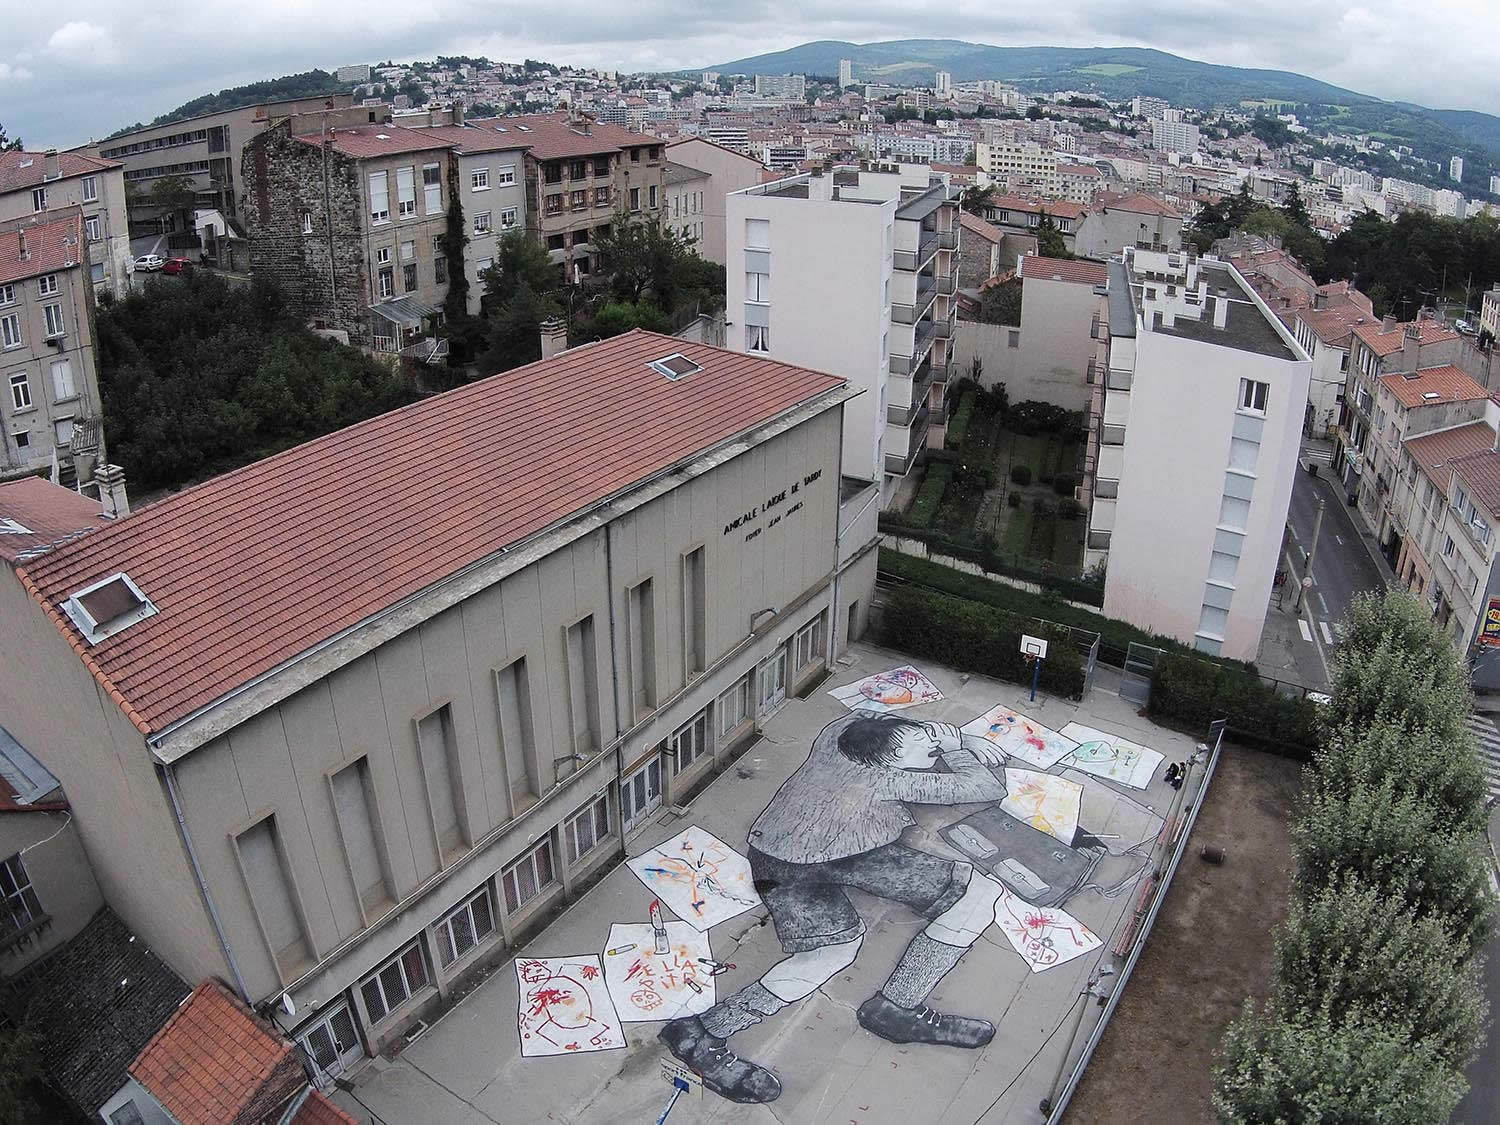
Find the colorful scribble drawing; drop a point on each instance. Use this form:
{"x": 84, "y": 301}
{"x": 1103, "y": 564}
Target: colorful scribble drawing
{"x": 565, "y": 1007}
{"x": 1021, "y": 737}
{"x": 888, "y": 691}
{"x": 647, "y": 985}
{"x": 1045, "y": 936}
{"x": 699, "y": 877}
{"x": 1111, "y": 757}
{"x": 1048, "y": 803}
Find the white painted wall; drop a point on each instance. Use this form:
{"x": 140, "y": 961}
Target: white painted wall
{"x": 728, "y": 171}
{"x": 1055, "y": 342}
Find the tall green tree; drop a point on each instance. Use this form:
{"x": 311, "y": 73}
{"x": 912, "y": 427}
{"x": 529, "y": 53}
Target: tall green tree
{"x": 8, "y": 145}
{"x": 1049, "y": 240}
{"x": 976, "y": 200}
{"x": 520, "y": 262}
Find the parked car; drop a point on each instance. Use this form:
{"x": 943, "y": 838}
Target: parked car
{"x": 177, "y": 265}
{"x": 148, "y": 263}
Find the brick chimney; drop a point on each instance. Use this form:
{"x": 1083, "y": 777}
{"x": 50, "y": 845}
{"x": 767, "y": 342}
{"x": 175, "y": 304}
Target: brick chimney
{"x": 51, "y": 166}
{"x": 1411, "y": 347}
{"x": 1388, "y": 323}
{"x": 111, "y": 481}
{"x": 554, "y": 336}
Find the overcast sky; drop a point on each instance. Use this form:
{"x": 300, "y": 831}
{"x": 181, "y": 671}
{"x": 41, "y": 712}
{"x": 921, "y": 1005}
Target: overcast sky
{"x": 93, "y": 66}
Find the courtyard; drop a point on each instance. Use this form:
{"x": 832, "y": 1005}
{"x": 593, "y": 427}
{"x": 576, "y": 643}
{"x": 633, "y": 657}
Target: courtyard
{"x": 1071, "y": 875}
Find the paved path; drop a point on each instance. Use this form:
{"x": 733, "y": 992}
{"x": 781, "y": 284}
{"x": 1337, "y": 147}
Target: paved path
{"x": 1488, "y": 739}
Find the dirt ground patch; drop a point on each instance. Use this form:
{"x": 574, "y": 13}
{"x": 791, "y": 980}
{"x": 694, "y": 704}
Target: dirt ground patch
{"x": 1211, "y": 946}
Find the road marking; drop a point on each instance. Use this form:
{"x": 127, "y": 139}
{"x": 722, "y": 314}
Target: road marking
{"x": 1322, "y": 601}
{"x": 1339, "y": 539}
{"x": 1293, "y": 530}
{"x": 1327, "y": 636}
{"x": 1306, "y": 632}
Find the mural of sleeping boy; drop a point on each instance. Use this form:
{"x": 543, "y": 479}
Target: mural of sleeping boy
{"x": 837, "y": 823}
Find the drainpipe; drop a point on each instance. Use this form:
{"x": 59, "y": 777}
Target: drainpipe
{"x": 208, "y": 899}
{"x": 614, "y": 685}
{"x": 838, "y": 539}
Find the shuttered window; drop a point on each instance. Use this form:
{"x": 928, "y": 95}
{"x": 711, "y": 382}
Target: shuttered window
{"x": 353, "y": 798}
{"x": 406, "y": 192}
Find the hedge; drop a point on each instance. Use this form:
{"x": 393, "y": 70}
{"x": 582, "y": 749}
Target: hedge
{"x": 1194, "y": 692}
{"x": 993, "y": 562}
{"x": 958, "y": 423}
{"x": 977, "y": 638}
{"x": 929, "y": 496}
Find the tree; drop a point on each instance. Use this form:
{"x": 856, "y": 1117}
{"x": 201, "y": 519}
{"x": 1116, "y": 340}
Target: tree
{"x": 1049, "y": 240}
{"x": 1034, "y": 112}
{"x": 1001, "y": 304}
{"x": 515, "y": 330}
{"x": 644, "y": 257}
{"x": 520, "y": 263}
{"x": 456, "y": 303}
{"x": 167, "y": 195}
{"x": 8, "y": 145}
{"x": 1294, "y": 209}
{"x": 976, "y": 200}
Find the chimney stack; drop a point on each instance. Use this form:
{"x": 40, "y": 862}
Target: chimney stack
{"x": 1411, "y": 348}
{"x": 1388, "y": 323}
{"x": 1320, "y": 300}
{"x": 554, "y": 336}
{"x": 111, "y": 481}
{"x": 1221, "y": 311}
{"x": 51, "y": 166}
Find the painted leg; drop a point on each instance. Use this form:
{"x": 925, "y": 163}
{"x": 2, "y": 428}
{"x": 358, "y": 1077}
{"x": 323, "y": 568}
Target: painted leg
{"x": 897, "y": 1012}
{"x": 699, "y": 1041}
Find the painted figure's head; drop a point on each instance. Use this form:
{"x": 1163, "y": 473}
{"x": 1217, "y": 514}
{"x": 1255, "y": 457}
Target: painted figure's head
{"x": 899, "y": 743}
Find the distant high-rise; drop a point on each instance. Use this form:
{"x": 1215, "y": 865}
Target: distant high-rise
{"x": 1495, "y": 185}
{"x": 793, "y": 87}
{"x": 846, "y": 73}
{"x": 1456, "y": 169}
{"x": 942, "y": 84}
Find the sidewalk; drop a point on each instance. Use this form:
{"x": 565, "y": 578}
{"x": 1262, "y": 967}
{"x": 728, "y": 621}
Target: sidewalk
{"x": 1333, "y": 495}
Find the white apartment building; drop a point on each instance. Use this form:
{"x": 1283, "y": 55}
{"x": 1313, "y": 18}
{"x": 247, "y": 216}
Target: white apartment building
{"x": 854, "y": 272}
{"x": 942, "y": 84}
{"x": 792, "y": 87}
{"x": 1198, "y": 422}
{"x": 1489, "y": 313}
{"x": 846, "y": 73}
{"x": 1456, "y": 169}
{"x": 1174, "y": 136}
{"x": 1027, "y": 164}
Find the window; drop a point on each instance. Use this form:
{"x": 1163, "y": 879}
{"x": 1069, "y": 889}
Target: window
{"x": 383, "y": 255}
{"x": 62, "y": 431}
{"x": 353, "y": 800}
{"x": 440, "y": 270}
{"x": 757, "y": 234}
{"x": 479, "y": 179}
{"x": 62, "y": 380}
{"x": 757, "y": 287}
{"x": 635, "y": 199}
{"x": 409, "y": 277}
{"x": 508, "y": 218}
{"x": 528, "y": 876}
{"x": 1448, "y": 546}
{"x": 757, "y": 338}
{"x": 553, "y": 172}
{"x": 808, "y": 645}
{"x": 601, "y": 197}
{"x": 406, "y": 192}
{"x": 601, "y": 165}
{"x": 55, "y": 325}
{"x": 20, "y": 391}
{"x": 1253, "y": 395}
{"x": 10, "y": 331}
{"x": 578, "y": 170}
{"x": 505, "y": 174}
{"x": 466, "y": 927}
{"x": 7, "y": 295}
{"x": 39, "y": 199}
{"x": 307, "y": 227}
{"x": 694, "y": 611}
{"x": 641, "y": 624}
{"x": 689, "y": 742}
{"x": 1013, "y": 338}
{"x": 91, "y": 228}
{"x": 46, "y": 285}
{"x": 432, "y": 189}
{"x": 90, "y": 188}
{"x": 578, "y": 200}
{"x": 22, "y": 439}
{"x": 1234, "y": 512}
{"x": 482, "y": 264}
{"x": 640, "y": 792}
{"x": 380, "y": 198}
{"x": 586, "y": 829}
{"x": 557, "y": 242}
{"x": 126, "y": 1114}
{"x": 635, "y": 156}
{"x": 439, "y": 752}
{"x": 393, "y": 984}
{"x": 651, "y": 197}
{"x": 20, "y": 905}
{"x": 408, "y": 251}
{"x": 387, "y": 283}
{"x": 583, "y": 685}
{"x": 555, "y": 203}
{"x": 270, "y": 887}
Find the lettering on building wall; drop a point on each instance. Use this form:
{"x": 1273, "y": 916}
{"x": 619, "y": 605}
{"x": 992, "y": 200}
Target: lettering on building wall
{"x": 772, "y": 502}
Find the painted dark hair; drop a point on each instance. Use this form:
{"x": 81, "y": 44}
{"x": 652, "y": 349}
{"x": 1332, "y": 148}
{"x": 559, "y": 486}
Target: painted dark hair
{"x": 872, "y": 742}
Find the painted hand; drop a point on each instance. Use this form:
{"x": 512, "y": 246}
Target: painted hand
{"x": 947, "y": 735}
{"x": 983, "y": 749}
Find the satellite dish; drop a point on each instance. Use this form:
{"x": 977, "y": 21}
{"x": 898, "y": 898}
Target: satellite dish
{"x": 287, "y": 1004}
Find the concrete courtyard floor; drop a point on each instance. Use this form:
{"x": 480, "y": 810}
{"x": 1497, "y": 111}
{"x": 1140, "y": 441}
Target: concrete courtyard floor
{"x": 468, "y": 1067}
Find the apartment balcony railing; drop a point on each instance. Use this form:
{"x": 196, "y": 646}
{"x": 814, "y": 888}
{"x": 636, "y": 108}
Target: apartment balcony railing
{"x": 927, "y": 292}
{"x": 1106, "y": 489}
{"x": 948, "y": 239}
{"x": 1110, "y": 434}
{"x": 943, "y": 328}
{"x": 915, "y": 259}
{"x": 947, "y": 283}
{"x": 1120, "y": 379}
{"x": 1095, "y": 372}
{"x": 899, "y": 464}
{"x": 943, "y": 372}
{"x": 1098, "y": 540}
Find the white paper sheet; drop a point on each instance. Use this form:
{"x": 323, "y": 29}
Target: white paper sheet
{"x": 565, "y": 1007}
{"x": 1021, "y": 737}
{"x": 1111, "y": 757}
{"x": 888, "y": 691}
{"x": 646, "y": 985}
{"x": 698, "y": 877}
{"x": 1048, "y": 803}
{"x": 1044, "y": 936}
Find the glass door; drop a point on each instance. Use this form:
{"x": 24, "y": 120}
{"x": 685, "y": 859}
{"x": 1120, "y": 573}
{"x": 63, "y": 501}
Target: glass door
{"x": 333, "y": 1041}
{"x": 772, "y": 682}
{"x": 640, "y": 792}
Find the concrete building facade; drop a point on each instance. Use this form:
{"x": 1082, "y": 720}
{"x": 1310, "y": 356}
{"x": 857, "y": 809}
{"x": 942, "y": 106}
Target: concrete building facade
{"x": 32, "y": 184}
{"x": 728, "y": 171}
{"x": 1021, "y": 166}
{"x": 389, "y": 792}
{"x": 1137, "y": 219}
{"x": 1199, "y": 422}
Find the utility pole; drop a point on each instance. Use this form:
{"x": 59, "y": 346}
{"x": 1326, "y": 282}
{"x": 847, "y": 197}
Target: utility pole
{"x": 1307, "y": 565}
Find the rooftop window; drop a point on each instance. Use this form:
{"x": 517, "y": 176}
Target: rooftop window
{"x": 107, "y": 607}
{"x": 675, "y": 366}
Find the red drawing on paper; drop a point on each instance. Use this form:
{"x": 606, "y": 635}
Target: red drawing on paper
{"x": 565, "y": 1007}
{"x": 1043, "y": 937}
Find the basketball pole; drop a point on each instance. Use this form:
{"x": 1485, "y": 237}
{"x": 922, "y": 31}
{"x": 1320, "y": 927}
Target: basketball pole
{"x": 1036, "y": 674}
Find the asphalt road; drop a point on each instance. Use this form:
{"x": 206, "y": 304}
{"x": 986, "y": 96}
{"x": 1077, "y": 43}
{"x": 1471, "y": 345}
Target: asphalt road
{"x": 1481, "y": 1105}
{"x": 1342, "y": 566}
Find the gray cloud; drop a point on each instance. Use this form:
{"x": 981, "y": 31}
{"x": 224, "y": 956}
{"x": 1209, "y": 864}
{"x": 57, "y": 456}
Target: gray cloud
{"x": 124, "y": 64}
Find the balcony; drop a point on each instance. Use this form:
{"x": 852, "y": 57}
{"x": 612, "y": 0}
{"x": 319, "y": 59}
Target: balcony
{"x": 1098, "y": 540}
{"x": 1119, "y": 379}
{"x": 926, "y": 294}
{"x": 1111, "y": 434}
{"x": 913, "y": 260}
{"x": 943, "y": 328}
{"x": 948, "y": 239}
{"x": 947, "y": 283}
{"x": 942, "y": 372}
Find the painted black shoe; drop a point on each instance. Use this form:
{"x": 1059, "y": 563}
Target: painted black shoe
{"x": 921, "y": 1025}
{"x": 723, "y": 1072}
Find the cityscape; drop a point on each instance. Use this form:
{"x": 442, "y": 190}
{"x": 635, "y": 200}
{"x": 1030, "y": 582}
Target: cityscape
{"x": 893, "y": 582}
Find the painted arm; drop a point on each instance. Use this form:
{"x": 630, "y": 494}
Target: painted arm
{"x": 969, "y": 782}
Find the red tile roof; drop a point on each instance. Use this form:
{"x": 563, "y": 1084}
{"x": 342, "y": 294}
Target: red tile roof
{"x": 474, "y": 139}
{"x": 1057, "y": 208}
{"x": 50, "y": 246}
{"x": 1432, "y": 452}
{"x": 1445, "y": 384}
{"x": 1384, "y": 343}
{"x": 1335, "y": 325}
{"x": 975, "y": 225}
{"x": 1481, "y": 472}
{"x": 318, "y": 1110}
{"x": 250, "y": 569}
{"x": 1039, "y": 268}
{"x": 212, "y": 1059}
{"x": 26, "y": 169}
{"x": 368, "y": 141}
{"x": 552, "y": 136}
{"x": 48, "y": 511}
{"x": 1141, "y": 204}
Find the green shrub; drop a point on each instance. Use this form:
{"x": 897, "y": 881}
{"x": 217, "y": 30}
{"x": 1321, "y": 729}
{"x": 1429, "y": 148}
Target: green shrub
{"x": 1193, "y": 692}
{"x": 929, "y": 495}
{"x": 1041, "y": 506}
{"x": 977, "y": 638}
{"x": 1064, "y": 483}
{"x": 1069, "y": 509}
{"x": 958, "y": 422}
{"x": 1032, "y": 417}
{"x": 1013, "y": 499}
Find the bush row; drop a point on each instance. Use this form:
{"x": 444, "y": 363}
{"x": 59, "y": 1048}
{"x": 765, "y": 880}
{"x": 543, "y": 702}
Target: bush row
{"x": 1193, "y": 692}
{"x": 977, "y": 638}
{"x": 929, "y": 496}
{"x": 993, "y": 562}
{"x": 958, "y": 422}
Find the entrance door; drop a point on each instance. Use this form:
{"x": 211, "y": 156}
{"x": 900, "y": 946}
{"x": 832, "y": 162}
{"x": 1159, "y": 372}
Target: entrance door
{"x": 772, "y": 677}
{"x": 333, "y": 1041}
{"x": 640, "y": 792}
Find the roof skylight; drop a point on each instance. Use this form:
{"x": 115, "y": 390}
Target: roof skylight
{"x": 107, "y": 607}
